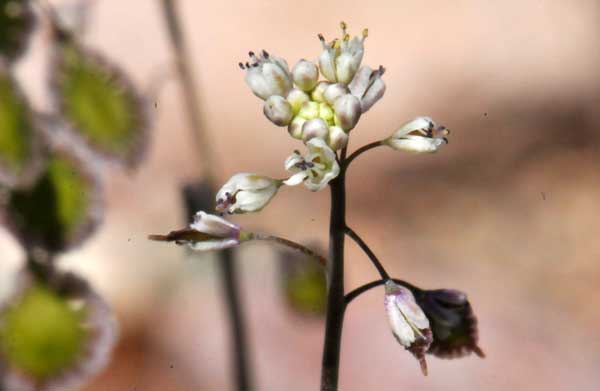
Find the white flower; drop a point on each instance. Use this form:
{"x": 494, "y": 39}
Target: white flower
{"x": 341, "y": 58}
{"x": 246, "y": 193}
{"x": 267, "y": 75}
{"x": 420, "y": 135}
{"x": 207, "y": 232}
{"x": 316, "y": 169}
{"x": 368, "y": 86}
{"x": 407, "y": 320}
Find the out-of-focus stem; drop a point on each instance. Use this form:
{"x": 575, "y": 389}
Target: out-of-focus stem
{"x": 239, "y": 348}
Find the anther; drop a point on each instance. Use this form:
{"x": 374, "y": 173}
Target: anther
{"x": 343, "y": 26}
{"x": 365, "y": 33}
{"x": 265, "y": 54}
{"x": 241, "y": 66}
{"x": 321, "y": 37}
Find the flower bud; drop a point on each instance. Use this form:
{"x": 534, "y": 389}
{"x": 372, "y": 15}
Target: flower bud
{"x": 207, "y": 232}
{"x": 373, "y": 94}
{"x": 278, "y": 110}
{"x": 317, "y": 94}
{"x": 315, "y": 127}
{"x": 267, "y": 75}
{"x": 348, "y": 62}
{"x": 368, "y": 86}
{"x": 305, "y": 75}
{"x": 418, "y": 136}
{"x": 407, "y": 320}
{"x": 338, "y": 138}
{"x": 347, "y": 111}
{"x": 246, "y": 193}
{"x": 326, "y": 113}
{"x": 296, "y": 98}
{"x": 334, "y": 91}
{"x": 309, "y": 110}
{"x": 295, "y": 127}
{"x": 361, "y": 80}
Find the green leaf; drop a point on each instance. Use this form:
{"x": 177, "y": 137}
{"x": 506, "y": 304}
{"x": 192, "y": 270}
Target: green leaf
{"x": 59, "y": 210}
{"x": 20, "y": 151}
{"x": 100, "y": 103}
{"x": 304, "y": 284}
{"x": 16, "y": 23}
{"x": 42, "y": 334}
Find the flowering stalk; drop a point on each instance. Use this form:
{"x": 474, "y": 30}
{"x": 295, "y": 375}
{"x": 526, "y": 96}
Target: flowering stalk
{"x": 335, "y": 299}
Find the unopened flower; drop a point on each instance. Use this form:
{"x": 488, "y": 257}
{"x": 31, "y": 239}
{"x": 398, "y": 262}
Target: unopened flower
{"x": 267, "y": 75}
{"x": 278, "y": 110}
{"x": 297, "y": 98}
{"x": 334, "y": 91}
{"x": 314, "y": 128}
{"x": 318, "y": 93}
{"x": 420, "y": 135}
{"x": 316, "y": 169}
{"x": 368, "y": 86}
{"x": 246, "y": 193}
{"x": 409, "y": 324}
{"x": 347, "y": 111}
{"x": 338, "y": 138}
{"x": 341, "y": 58}
{"x": 207, "y": 232}
{"x": 452, "y": 321}
{"x": 305, "y": 75}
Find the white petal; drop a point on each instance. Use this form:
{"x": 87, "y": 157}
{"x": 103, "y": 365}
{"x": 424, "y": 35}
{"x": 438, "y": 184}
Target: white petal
{"x": 291, "y": 161}
{"x": 373, "y": 94}
{"x": 400, "y": 327}
{"x": 208, "y": 245}
{"x": 416, "y": 144}
{"x": 416, "y": 124}
{"x": 296, "y": 179}
{"x": 215, "y": 225}
{"x": 327, "y": 64}
{"x": 253, "y": 201}
{"x": 257, "y": 83}
{"x": 361, "y": 82}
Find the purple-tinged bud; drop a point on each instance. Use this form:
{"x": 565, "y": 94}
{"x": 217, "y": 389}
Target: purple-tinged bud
{"x": 295, "y": 127}
{"x": 278, "y": 110}
{"x": 305, "y": 75}
{"x": 267, "y": 76}
{"x": 315, "y": 127}
{"x": 347, "y": 111}
{"x": 334, "y": 91}
{"x": 338, "y": 138}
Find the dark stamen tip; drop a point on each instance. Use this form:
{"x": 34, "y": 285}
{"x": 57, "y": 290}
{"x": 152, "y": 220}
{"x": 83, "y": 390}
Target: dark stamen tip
{"x": 265, "y": 54}
{"x": 241, "y": 65}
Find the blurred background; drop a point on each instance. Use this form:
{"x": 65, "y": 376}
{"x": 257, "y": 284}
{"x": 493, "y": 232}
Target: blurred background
{"x": 507, "y": 212}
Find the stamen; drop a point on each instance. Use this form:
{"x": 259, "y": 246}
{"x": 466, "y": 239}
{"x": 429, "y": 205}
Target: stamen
{"x": 346, "y": 37}
{"x": 296, "y": 152}
{"x": 343, "y": 26}
{"x": 321, "y": 38}
{"x": 381, "y": 70}
{"x": 365, "y": 33}
{"x": 265, "y": 54}
{"x": 241, "y": 66}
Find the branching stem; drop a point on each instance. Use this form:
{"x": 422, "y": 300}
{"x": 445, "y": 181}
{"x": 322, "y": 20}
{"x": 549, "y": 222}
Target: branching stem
{"x": 359, "y": 151}
{"x": 362, "y": 289}
{"x": 361, "y": 243}
{"x": 293, "y": 245}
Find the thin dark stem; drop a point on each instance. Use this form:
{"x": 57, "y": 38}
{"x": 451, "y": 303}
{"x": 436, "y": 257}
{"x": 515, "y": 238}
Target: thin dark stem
{"x": 335, "y": 296}
{"x": 296, "y": 246}
{"x": 239, "y": 348}
{"x": 229, "y": 277}
{"x": 359, "y": 151}
{"x": 361, "y": 243}
{"x": 362, "y": 289}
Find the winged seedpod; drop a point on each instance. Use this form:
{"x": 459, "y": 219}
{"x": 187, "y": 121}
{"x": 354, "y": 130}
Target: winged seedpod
{"x": 99, "y": 103}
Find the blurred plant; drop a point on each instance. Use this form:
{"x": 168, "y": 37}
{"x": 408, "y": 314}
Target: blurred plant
{"x": 322, "y": 113}
{"x": 55, "y": 331}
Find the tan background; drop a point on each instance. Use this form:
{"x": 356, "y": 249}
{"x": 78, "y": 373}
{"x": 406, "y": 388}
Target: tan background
{"x": 507, "y": 212}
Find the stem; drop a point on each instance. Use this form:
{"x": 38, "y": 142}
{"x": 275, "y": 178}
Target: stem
{"x": 228, "y": 273}
{"x": 362, "y": 289}
{"x": 296, "y": 246}
{"x": 359, "y": 151}
{"x": 370, "y": 254}
{"x": 335, "y": 298}
{"x": 229, "y": 277}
